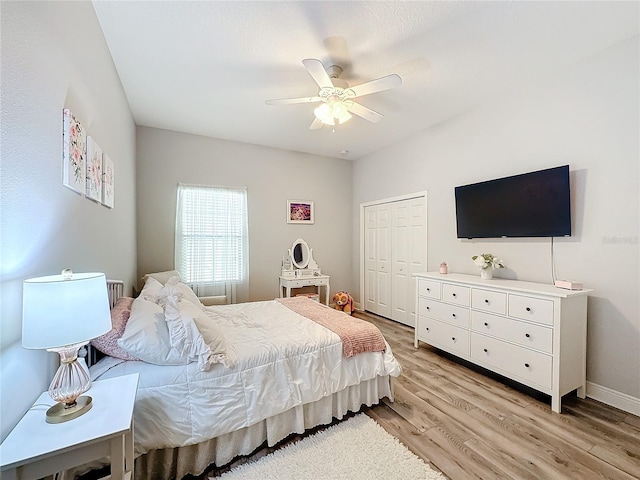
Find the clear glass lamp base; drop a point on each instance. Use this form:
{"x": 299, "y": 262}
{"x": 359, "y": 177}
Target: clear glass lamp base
{"x": 70, "y": 381}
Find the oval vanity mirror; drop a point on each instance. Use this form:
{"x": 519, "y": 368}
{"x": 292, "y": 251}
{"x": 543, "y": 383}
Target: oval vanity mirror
{"x": 300, "y": 253}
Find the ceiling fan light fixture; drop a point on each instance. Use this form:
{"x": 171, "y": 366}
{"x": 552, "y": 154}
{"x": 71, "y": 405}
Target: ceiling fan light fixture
{"x": 333, "y": 112}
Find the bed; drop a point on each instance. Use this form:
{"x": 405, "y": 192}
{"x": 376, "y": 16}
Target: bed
{"x": 283, "y": 366}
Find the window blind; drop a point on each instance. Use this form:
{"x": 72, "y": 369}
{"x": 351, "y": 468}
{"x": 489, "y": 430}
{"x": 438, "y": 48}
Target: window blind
{"x": 212, "y": 235}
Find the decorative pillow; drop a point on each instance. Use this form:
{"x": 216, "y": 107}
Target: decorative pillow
{"x": 108, "y": 343}
{"x": 146, "y": 335}
{"x": 195, "y": 335}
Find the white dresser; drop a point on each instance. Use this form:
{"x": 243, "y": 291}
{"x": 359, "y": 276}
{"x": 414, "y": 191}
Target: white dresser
{"x": 533, "y": 333}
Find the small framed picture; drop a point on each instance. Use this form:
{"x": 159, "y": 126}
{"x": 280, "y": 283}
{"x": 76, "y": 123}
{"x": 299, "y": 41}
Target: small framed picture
{"x": 299, "y": 211}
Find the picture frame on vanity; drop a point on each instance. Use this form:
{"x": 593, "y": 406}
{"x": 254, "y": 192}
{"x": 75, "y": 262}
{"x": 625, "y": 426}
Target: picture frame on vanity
{"x": 74, "y": 153}
{"x": 94, "y": 170}
{"x": 300, "y": 211}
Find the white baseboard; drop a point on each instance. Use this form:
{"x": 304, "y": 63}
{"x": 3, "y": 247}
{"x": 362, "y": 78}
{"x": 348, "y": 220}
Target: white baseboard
{"x": 614, "y": 398}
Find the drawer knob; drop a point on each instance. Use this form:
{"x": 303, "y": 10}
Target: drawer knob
{"x": 454, "y": 315}
{"x": 428, "y": 289}
{"x": 486, "y": 324}
{"x": 527, "y": 335}
{"x": 453, "y": 338}
{"x": 428, "y": 308}
{"x": 526, "y": 365}
{"x": 528, "y": 309}
{"x": 427, "y": 329}
{"x": 486, "y": 300}
{"x": 454, "y": 294}
{"x": 485, "y": 350}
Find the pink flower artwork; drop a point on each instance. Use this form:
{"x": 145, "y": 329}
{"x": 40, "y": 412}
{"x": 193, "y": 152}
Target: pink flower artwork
{"x": 74, "y": 141}
{"x": 94, "y": 170}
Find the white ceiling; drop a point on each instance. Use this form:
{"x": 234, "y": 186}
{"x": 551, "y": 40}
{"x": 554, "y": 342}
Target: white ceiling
{"x": 206, "y": 67}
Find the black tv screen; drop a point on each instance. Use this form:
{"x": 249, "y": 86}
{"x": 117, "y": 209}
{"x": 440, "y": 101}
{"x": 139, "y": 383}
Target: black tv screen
{"x": 535, "y": 204}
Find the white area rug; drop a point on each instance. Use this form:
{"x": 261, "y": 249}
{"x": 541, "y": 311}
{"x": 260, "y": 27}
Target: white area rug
{"x": 355, "y": 449}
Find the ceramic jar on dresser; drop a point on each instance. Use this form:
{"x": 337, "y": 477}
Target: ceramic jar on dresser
{"x": 533, "y": 333}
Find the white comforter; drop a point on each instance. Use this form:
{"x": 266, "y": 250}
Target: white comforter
{"x": 284, "y": 360}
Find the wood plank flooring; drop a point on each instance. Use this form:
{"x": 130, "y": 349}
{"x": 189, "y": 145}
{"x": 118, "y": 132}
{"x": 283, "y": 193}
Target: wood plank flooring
{"x": 472, "y": 424}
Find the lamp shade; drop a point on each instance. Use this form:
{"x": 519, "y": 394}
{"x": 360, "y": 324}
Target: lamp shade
{"x": 61, "y": 310}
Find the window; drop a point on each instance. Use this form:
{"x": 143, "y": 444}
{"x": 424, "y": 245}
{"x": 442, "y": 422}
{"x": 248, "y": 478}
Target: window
{"x": 212, "y": 239}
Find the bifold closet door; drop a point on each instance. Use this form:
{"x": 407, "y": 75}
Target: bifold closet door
{"x": 377, "y": 248}
{"x": 395, "y": 249}
{"x": 408, "y": 256}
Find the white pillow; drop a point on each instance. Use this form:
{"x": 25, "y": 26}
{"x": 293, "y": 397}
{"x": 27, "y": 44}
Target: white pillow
{"x": 195, "y": 335}
{"x": 151, "y": 290}
{"x": 175, "y": 286}
{"x": 162, "y": 277}
{"x": 146, "y": 335}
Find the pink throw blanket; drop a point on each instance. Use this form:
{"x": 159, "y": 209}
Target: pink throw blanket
{"x": 357, "y": 335}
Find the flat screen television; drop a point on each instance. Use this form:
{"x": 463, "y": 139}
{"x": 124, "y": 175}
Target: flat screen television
{"x": 535, "y": 204}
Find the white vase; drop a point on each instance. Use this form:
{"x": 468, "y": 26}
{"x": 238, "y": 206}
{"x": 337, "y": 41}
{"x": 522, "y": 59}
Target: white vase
{"x": 486, "y": 273}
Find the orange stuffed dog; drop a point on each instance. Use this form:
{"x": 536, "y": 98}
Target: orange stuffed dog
{"x": 344, "y": 302}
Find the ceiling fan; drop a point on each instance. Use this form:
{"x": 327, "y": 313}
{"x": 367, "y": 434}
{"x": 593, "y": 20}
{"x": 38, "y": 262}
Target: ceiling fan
{"x": 336, "y": 96}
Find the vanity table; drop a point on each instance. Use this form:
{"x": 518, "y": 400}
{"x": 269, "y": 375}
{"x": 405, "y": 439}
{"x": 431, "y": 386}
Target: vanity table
{"x": 299, "y": 270}
{"x": 287, "y": 283}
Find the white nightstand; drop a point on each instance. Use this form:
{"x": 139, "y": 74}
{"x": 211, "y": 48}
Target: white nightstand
{"x": 35, "y": 448}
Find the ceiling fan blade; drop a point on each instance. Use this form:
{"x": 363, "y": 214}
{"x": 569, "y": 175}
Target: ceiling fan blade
{"x": 287, "y": 101}
{"x": 365, "y": 112}
{"x": 316, "y": 124}
{"x": 378, "y": 85}
{"x": 317, "y": 72}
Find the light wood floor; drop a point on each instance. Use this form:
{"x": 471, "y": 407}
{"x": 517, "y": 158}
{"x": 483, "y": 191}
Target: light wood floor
{"x": 469, "y": 423}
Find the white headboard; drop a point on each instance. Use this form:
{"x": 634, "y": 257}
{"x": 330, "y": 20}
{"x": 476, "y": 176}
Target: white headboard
{"x": 115, "y": 289}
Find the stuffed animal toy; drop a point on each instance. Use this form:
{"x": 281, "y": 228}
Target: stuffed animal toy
{"x": 344, "y": 302}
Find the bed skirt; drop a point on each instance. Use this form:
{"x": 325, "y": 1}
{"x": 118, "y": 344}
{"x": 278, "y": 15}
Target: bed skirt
{"x": 176, "y": 463}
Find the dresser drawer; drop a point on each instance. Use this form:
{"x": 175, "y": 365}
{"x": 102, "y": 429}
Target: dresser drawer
{"x": 455, "y": 294}
{"x": 532, "y": 309}
{"x": 428, "y": 288}
{"x": 444, "y": 311}
{"x": 443, "y": 335}
{"x": 522, "y": 333}
{"x": 522, "y": 363}
{"x": 489, "y": 301}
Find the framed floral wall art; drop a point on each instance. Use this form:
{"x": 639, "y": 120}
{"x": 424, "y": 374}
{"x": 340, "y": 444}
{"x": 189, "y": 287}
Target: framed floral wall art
{"x": 74, "y": 151}
{"x": 107, "y": 181}
{"x": 94, "y": 170}
{"x": 299, "y": 211}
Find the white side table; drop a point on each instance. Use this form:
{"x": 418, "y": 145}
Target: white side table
{"x": 298, "y": 282}
{"x": 36, "y": 449}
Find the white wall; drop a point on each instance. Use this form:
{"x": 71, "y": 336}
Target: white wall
{"x": 272, "y": 177}
{"x": 586, "y": 116}
{"x": 53, "y": 57}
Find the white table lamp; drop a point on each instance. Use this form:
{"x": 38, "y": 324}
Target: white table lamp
{"x": 62, "y": 313}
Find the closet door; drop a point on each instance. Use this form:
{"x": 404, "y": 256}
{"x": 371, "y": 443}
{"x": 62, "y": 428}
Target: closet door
{"x": 378, "y": 259}
{"x": 409, "y": 247}
{"x": 395, "y": 248}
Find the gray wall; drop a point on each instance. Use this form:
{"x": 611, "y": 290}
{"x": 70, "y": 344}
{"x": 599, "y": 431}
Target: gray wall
{"x": 53, "y": 57}
{"x": 272, "y": 177}
{"x": 586, "y": 116}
